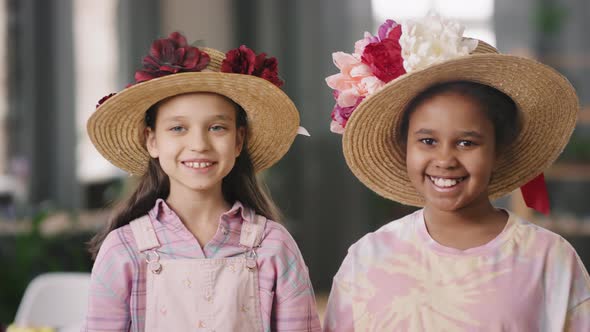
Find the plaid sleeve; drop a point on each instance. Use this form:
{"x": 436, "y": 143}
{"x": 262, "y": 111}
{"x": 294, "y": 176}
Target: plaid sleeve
{"x": 110, "y": 286}
{"x": 294, "y": 307}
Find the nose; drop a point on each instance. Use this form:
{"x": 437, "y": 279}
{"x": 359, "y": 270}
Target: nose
{"x": 198, "y": 141}
{"x": 445, "y": 157}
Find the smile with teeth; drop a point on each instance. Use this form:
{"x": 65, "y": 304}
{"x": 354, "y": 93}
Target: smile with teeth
{"x": 197, "y": 165}
{"x": 445, "y": 183}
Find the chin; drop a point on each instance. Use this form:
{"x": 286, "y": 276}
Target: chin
{"x": 447, "y": 205}
{"x": 199, "y": 186}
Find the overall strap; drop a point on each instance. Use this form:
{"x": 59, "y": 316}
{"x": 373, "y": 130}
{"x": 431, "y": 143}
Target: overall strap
{"x": 252, "y": 231}
{"x": 144, "y": 233}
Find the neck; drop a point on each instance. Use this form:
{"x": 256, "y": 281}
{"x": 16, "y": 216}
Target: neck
{"x": 468, "y": 227}
{"x": 198, "y": 208}
{"x": 481, "y": 212}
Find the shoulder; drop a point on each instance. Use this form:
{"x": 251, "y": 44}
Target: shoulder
{"x": 393, "y": 239}
{"x": 279, "y": 250}
{"x": 541, "y": 240}
{"x": 560, "y": 259}
{"x": 277, "y": 238}
{"x": 118, "y": 246}
{"x": 564, "y": 271}
{"x": 389, "y": 234}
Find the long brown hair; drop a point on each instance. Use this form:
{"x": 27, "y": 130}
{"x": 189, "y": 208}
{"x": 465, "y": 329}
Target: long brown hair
{"x": 241, "y": 184}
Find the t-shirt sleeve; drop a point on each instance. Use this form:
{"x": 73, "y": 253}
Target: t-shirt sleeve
{"x": 339, "y": 313}
{"x": 110, "y": 286}
{"x": 567, "y": 289}
{"x": 578, "y": 318}
{"x": 578, "y": 314}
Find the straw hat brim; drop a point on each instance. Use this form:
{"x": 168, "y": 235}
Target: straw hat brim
{"x": 546, "y": 100}
{"x": 116, "y": 128}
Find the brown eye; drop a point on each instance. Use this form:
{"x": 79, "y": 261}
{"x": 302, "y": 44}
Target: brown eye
{"x": 465, "y": 143}
{"x": 427, "y": 141}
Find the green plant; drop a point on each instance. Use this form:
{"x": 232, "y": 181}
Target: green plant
{"x": 549, "y": 17}
{"x": 28, "y": 254}
{"x": 577, "y": 150}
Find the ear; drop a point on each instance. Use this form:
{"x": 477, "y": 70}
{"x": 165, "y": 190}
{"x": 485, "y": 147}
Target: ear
{"x": 240, "y": 135}
{"x": 150, "y": 142}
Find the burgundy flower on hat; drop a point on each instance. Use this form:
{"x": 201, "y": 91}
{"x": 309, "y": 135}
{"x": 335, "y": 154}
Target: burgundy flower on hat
{"x": 170, "y": 56}
{"x": 243, "y": 60}
{"x": 174, "y": 55}
{"x": 267, "y": 68}
{"x": 105, "y": 98}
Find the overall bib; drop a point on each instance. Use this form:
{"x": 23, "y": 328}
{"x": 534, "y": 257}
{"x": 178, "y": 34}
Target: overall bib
{"x": 201, "y": 294}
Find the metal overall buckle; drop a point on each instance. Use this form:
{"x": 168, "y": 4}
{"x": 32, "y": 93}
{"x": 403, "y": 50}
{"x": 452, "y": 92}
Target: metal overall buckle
{"x": 251, "y": 259}
{"x": 153, "y": 261}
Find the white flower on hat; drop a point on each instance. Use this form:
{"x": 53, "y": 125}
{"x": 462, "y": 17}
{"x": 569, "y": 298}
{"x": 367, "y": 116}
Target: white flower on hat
{"x": 431, "y": 40}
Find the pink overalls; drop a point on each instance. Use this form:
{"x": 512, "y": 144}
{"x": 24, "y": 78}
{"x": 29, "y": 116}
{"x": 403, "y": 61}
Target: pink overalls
{"x": 201, "y": 294}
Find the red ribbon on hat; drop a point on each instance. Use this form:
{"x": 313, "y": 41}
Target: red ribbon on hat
{"x": 535, "y": 194}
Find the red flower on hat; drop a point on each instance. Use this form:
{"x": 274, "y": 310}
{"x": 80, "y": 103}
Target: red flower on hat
{"x": 267, "y": 69}
{"x": 239, "y": 61}
{"x": 170, "y": 56}
{"x": 105, "y": 98}
{"x": 385, "y": 57}
{"x": 243, "y": 60}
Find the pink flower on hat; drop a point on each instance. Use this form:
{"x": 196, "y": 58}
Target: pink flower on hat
{"x": 360, "y": 45}
{"x": 349, "y": 82}
{"x": 356, "y": 79}
{"x": 340, "y": 114}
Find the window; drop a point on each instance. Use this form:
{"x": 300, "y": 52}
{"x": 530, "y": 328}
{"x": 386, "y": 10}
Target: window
{"x": 96, "y": 53}
{"x": 3, "y": 89}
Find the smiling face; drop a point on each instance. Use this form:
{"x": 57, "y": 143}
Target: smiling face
{"x": 196, "y": 140}
{"x": 450, "y": 152}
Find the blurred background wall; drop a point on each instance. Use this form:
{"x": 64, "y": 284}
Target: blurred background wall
{"x": 59, "y": 57}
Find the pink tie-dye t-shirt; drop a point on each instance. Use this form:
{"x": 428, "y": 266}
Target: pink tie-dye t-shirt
{"x": 399, "y": 279}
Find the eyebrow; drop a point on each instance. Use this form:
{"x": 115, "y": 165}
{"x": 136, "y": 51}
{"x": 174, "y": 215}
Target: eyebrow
{"x": 175, "y": 118}
{"x": 424, "y": 131}
{"x": 216, "y": 117}
{"x": 223, "y": 117}
{"x": 469, "y": 133}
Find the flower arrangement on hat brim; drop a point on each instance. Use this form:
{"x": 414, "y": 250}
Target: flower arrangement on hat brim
{"x": 397, "y": 49}
{"x": 174, "y": 55}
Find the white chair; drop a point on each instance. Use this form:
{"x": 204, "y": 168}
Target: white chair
{"x": 56, "y": 299}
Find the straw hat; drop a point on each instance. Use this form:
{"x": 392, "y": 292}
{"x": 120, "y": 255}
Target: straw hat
{"x": 546, "y": 100}
{"x": 116, "y": 128}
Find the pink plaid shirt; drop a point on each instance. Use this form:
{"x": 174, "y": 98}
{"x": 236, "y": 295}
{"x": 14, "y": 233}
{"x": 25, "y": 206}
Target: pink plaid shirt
{"x": 118, "y": 293}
